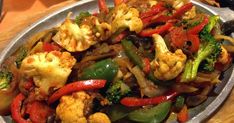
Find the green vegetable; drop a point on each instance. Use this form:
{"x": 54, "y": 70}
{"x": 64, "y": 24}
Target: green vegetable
{"x": 209, "y": 49}
{"x": 209, "y": 63}
{"x": 81, "y": 16}
{"x": 179, "y": 103}
{"x": 117, "y": 112}
{"x": 133, "y": 54}
{"x": 5, "y": 79}
{"x": 116, "y": 91}
{"x": 105, "y": 69}
{"x": 22, "y": 53}
{"x": 153, "y": 115}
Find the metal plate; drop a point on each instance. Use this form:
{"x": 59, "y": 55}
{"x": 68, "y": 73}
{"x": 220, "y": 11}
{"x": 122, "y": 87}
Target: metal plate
{"x": 198, "y": 114}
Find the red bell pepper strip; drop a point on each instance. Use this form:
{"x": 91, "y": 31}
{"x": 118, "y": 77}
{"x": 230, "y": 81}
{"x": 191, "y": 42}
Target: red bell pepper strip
{"x": 158, "y": 30}
{"x": 133, "y": 101}
{"x": 195, "y": 43}
{"x": 28, "y": 84}
{"x": 153, "y": 11}
{"x": 76, "y": 86}
{"x": 47, "y": 47}
{"x": 195, "y": 30}
{"x": 146, "y": 65}
{"x": 38, "y": 111}
{"x": 16, "y": 109}
{"x": 182, "y": 10}
{"x": 178, "y": 37}
{"x": 119, "y": 37}
{"x": 183, "y": 115}
{"x": 102, "y": 6}
{"x": 164, "y": 18}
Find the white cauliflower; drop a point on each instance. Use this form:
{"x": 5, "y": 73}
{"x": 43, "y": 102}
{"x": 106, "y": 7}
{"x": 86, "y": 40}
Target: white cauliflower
{"x": 167, "y": 65}
{"x": 190, "y": 14}
{"x": 125, "y": 17}
{"x": 99, "y": 118}
{"x": 71, "y": 109}
{"x": 48, "y": 69}
{"x": 75, "y": 37}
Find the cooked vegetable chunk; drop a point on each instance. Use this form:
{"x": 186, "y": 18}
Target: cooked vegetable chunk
{"x": 5, "y": 79}
{"x": 75, "y": 37}
{"x": 99, "y": 118}
{"x": 48, "y": 70}
{"x": 71, "y": 108}
{"x": 116, "y": 91}
{"x": 125, "y": 17}
{"x": 167, "y": 65}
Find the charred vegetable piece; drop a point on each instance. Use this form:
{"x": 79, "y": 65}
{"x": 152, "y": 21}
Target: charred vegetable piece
{"x": 5, "y": 79}
{"x": 76, "y": 86}
{"x": 22, "y": 54}
{"x": 105, "y": 69}
{"x": 81, "y": 16}
{"x": 133, "y": 101}
{"x": 153, "y": 115}
{"x": 209, "y": 48}
{"x": 116, "y": 91}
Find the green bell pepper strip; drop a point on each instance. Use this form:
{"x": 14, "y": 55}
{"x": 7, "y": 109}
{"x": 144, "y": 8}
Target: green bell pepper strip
{"x": 132, "y": 53}
{"x": 105, "y": 69}
{"x": 179, "y": 103}
{"x": 153, "y": 115}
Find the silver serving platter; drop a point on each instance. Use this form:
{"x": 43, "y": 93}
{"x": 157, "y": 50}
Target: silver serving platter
{"x": 197, "y": 114}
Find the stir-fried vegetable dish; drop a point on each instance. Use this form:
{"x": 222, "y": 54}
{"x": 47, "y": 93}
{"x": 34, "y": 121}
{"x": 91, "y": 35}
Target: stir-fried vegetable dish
{"x": 146, "y": 61}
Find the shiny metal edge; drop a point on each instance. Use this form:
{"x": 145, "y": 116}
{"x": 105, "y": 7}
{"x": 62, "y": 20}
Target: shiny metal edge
{"x": 211, "y": 108}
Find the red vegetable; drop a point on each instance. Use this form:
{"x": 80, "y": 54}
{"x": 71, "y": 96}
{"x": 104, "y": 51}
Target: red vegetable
{"x": 158, "y": 30}
{"x": 133, "y": 101}
{"x": 182, "y": 10}
{"x": 178, "y": 37}
{"x": 117, "y": 2}
{"x": 183, "y": 115}
{"x": 119, "y": 37}
{"x": 194, "y": 39}
{"x": 102, "y": 6}
{"x": 38, "y": 112}
{"x": 76, "y": 86}
{"x": 195, "y": 30}
{"x": 164, "y": 18}
{"x": 47, "y": 47}
{"x": 16, "y": 109}
{"x": 146, "y": 67}
{"x": 153, "y": 11}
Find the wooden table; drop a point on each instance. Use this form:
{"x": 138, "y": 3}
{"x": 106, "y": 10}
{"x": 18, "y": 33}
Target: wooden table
{"x": 225, "y": 114}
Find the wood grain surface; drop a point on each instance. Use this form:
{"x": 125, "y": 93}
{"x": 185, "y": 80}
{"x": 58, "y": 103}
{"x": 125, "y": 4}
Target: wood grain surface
{"x": 225, "y": 114}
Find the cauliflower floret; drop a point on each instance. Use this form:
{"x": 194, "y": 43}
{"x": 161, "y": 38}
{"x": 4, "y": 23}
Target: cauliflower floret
{"x": 71, "y": 109}
{"x": 125, "y": 17}
{"x": 73, "y": 37}
{"x": 48, "y": 69}
{"x": 179, "y": 3}
{"x": 99, "y": 118}
{"x": 167, "y": 65}
{"x": 190, "y": 14}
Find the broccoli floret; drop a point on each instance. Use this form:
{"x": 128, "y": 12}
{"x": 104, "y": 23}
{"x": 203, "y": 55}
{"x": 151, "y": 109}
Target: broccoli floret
{"x": 5, "y": 79}
{"x": 209, "y": 51}
{"x": 116, "y": 91}
{"x": 81, "y": 16}
{"x": 23, "y": 52}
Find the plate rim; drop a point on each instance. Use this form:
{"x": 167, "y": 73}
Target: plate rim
{"x": 201, "y": 116}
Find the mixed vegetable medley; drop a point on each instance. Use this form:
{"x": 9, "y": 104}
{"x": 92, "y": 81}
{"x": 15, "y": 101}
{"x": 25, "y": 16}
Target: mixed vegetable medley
{"x": 143, "y": 61}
